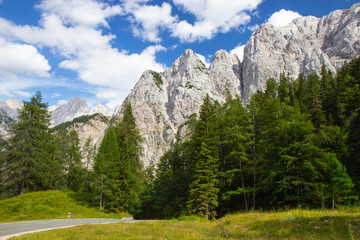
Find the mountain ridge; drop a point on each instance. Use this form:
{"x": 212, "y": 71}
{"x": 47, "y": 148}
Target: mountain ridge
{"x": 161, "y": 109}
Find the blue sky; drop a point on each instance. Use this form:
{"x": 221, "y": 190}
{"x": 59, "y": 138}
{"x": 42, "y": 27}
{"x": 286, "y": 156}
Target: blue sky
{"x": 98, "y": 49}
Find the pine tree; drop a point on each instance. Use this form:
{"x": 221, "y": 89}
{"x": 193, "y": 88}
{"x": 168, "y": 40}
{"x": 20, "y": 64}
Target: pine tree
{"x": 105, "y": 172}
{"x": 29, "y": 162}
{"x": 237, "y": 141}
{"x": 131, "y": 173}
{"x": 73, "y": 165}
{"x": 203, "y": 198}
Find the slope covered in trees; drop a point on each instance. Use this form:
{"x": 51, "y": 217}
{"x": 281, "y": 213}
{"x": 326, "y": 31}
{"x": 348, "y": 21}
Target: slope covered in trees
{"x": 293, "y": 145}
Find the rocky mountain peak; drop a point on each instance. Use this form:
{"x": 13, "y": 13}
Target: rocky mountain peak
{"x": 7, "y": 110}
{"x": 163, "y": 102}
{"x": 303, "y": 46}
{"x": 66, "y": 112}
{"x": 186, "y": 63}
{"x": 14, "y": 104}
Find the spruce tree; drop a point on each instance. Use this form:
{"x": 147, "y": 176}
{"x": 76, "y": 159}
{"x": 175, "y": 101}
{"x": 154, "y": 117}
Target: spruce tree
{"x": 105, "y": 172}
{"x": 131, "y": 173}
{"x": 29, "y": 163}
{"x": 88, "y": 155}
{"x": 237, "y": 142}
{"x": 203, "y": 198}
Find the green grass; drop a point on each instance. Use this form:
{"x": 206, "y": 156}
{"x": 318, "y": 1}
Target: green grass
{"x": 50, "y": 205}
{"x": 294, "y": 224}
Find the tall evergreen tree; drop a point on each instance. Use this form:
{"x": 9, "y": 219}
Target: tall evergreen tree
{"x": 105, "y": 172}
{"x": 236, "y": 143}
{"x": 203, "y": 198}
{"x": 73, "y": 165}
{"x": 29, "y": 162}
{"x": 131, "y": 172}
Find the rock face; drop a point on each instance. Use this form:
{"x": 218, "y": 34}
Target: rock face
{"x": 163, "y": 102}
{"x": 95, "y": 128}
{"x": 9, "y": 110}
{"x": 74, "y": 108}
{"x": 303, "y": 46}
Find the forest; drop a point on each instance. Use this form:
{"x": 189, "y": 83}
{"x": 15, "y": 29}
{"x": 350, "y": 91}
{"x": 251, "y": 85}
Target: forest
{"x": 294, "y": 145}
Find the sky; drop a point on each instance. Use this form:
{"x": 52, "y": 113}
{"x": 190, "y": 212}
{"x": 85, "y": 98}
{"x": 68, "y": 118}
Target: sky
{"x": 98, "y": 49}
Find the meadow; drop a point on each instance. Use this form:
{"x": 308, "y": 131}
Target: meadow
{"x": 51, "y": 205}
{"x": 291, "y": 224}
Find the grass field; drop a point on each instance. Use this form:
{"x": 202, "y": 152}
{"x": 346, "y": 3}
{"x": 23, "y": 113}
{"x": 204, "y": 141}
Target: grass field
{"x": 50, "y": 205}
{"x": 293, "y": 224}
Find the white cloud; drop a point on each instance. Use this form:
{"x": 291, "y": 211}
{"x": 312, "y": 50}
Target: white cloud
{"x": 253, "y": 27}
{"x": 239, "y": 51}
{"x": 23, "y": 94}
{"x": 149, "y": 19}
{"x": 212, "y": 17}
{"x": 84, "y": 46}
{"x": 283, "y": 17}
{"x": 81, "y": 12}
{"x": 18, "y": 59}
{"x": 55, "y": 95}
{"x": 204, "y": 60}
{"x": 62, "y": 102}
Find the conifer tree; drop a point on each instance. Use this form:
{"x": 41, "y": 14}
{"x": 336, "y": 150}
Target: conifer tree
{"x": 88, "y": 155}
{"x": 203, "y": 198}
{"x": 105, "y": 172}
{"x": 237, "y": 141}
{"x": 73, "y": 165}
{"x": 29, "y": 162}
{"x": 131, "y": 173}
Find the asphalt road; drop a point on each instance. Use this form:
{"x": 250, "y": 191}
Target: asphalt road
{"x": 17, "y": 228}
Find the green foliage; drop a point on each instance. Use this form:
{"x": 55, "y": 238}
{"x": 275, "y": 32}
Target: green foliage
{"x": 105, "y": 171}
{"x": 81, "y": 119}
{"x": 131, "y": 173}
{"x": 69, "y": 156}
{"x": 293, "y": 146}
{"x": 294, "y": 224}
{"x": 157, "y": 78}
{"x": 203, "y": 198}
{"x": 29, "y": 164}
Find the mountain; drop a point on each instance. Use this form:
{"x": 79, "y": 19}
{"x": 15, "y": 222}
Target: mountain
{"x": 163, "y": 102}
{"x": 93, "y": 126}
{"x": 8, "y": 113}
{"x": 303, "y": 46}
{"x": 74, "y": 108}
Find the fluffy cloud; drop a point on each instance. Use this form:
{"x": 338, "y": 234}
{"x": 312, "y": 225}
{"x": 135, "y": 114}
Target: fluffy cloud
{"x": 71, "y": 29}
{"x": 204, "y": 60}
{"x": 149, "y": 19}
{"x": 212, "y": 17}
{"x": 283, "y": 17}
{"x": 239, "y": 51}
{"x": 16, "y": 59}
{"x": 81, "y": 12}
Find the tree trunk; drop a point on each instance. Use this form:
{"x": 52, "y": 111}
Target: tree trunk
{"x": 333, "y": 196}
{"x": 255, "y": 163}
{"x": 243, "y": 185}
{"x": 22, "y": 187}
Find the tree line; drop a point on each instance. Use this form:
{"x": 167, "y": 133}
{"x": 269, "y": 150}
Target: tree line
{"x": 37, "y": 157}
{"x": 294, "y": 145}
